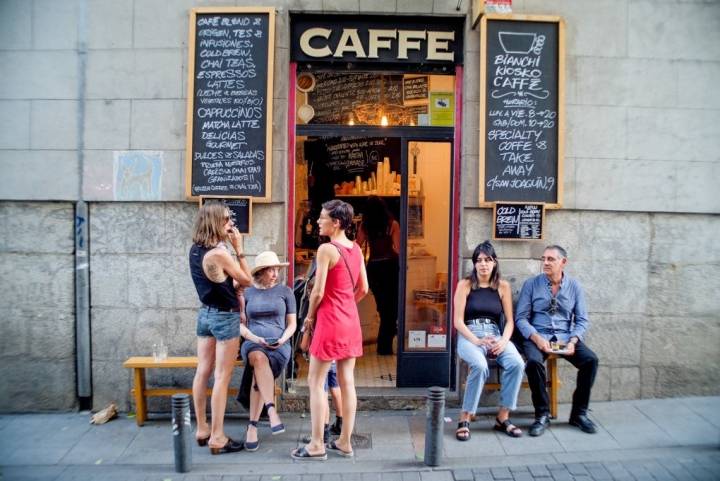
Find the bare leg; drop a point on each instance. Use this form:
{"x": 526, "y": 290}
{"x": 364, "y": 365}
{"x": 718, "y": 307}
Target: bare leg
{"x": 225, "y": 355}
{"x": 206, "y": 361}
{"x": 337, "y": 401}
{"x": 503, "y": 414}
{"x": 318, "y": 403}
{"x": 265, "y": 382}
{"x": 346, "y": 379}
{"x": 255, "y": 410}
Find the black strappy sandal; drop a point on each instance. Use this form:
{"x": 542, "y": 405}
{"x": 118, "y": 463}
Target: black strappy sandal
{"x": 508, "y": 428}
{"x": 463, "y": 431}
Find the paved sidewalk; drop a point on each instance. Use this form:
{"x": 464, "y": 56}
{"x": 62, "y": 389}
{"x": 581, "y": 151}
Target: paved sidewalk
{"x": 673, "y": 439}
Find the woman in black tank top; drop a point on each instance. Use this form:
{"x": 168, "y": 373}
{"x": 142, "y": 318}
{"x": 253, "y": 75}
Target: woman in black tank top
{"x": 480, "y": 301}
{"x": 216, "y": 275}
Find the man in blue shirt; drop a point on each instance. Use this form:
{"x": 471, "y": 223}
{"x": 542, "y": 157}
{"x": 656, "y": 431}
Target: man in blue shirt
{"x": 551, "y": 316}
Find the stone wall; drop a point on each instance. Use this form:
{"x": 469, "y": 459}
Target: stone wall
{"x": 37, "y": 316}
{"x": 651, "y": 283}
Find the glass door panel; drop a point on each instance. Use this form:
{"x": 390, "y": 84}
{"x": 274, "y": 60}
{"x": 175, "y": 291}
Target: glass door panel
{"x": 426, "y": 326}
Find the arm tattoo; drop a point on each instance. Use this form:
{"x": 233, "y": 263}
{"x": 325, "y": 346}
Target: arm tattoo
{"x": 215, "y": 273}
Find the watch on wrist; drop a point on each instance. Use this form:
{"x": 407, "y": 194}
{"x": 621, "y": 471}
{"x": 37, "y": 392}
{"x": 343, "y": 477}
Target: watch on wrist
{"x": 240, "y": 256}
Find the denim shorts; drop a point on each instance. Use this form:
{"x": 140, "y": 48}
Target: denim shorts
{"x": 221, "y": 325}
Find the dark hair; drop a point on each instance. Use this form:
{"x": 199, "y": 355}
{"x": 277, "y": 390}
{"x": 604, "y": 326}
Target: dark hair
{"x": 487, "y": 249}
{"x": 376, "y": 218}
{"x": 560, "y": 250}
{"x": 341, "y": 211}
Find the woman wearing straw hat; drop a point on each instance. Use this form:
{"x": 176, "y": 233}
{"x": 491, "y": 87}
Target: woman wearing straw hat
{"x": 270, "y": 317}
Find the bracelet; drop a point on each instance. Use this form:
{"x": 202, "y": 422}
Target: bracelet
{"x": 240, "y": 256}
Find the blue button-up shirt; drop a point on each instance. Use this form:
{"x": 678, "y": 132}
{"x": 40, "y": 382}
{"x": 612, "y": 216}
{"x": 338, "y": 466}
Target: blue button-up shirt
{"x": 533, "y": 309}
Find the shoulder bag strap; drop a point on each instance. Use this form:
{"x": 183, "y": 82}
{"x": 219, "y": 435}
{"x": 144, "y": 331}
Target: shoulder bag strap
{"x": 346, "y": 265}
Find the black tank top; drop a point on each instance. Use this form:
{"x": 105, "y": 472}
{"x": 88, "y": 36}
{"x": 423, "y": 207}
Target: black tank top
{"x": 483, "y": 302}
{"x": 213, "y": 294}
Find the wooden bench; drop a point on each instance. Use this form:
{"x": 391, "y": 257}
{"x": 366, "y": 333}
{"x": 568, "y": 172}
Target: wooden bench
{"x": 140, "y": 390}
{"x": 553, "y": 381}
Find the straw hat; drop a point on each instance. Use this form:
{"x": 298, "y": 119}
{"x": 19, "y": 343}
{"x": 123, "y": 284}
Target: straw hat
{"x": 267, "y": 259}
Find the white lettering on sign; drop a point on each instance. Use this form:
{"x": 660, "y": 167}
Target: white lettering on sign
{"x": 315, "y": 42}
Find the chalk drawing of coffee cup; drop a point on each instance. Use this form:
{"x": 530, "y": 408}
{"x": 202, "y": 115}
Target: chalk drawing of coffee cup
{"x": 517, "y": 42}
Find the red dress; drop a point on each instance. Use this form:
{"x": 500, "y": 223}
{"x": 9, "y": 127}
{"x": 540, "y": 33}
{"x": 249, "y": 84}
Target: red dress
{"x": 337, "y": 326}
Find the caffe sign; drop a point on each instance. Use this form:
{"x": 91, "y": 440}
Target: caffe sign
{"x": 374, "y": 39}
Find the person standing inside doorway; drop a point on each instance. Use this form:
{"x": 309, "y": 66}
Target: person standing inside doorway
{"x": 341, "y": 282}
{"x": 380, "y": 234}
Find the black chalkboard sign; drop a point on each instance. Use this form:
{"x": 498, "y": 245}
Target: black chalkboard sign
{"x": 346, "y": 158}
{"x": 240, "y": 210}
{"x": 514, "y": 221}
{"x": 415, "y": 88}
{"x": 229, "y": 124}
{"x": 521, "y": 119}
{"x": 336, "y": 94}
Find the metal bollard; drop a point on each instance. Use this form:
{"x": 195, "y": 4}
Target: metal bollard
{"x": 434, "y": 425}
{"x": 181, "y": 432}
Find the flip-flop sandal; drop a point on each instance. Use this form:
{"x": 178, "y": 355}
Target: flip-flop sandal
{"x": 463, "y": 431}
{"x": 302, "y": 454}
{"x": 508, "y": 428}
{"x": 332, "y": 447}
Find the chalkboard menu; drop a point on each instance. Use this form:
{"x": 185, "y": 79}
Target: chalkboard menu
{"x": 345, "y": 158}
{"x": 336, "y": 94}
{"x": 415, "y": 88}
{"x": 521, "y": 119}
{"x": 229, "y": 124}
{"x": 518, "y": 221}
{"x": 240, "y": 210}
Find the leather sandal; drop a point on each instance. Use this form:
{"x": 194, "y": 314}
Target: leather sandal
{"x": 463, "y": 431}
{"x": 508, "y": 428}
{"x": 203, "y": 441}
{"x": 230, "y": 447}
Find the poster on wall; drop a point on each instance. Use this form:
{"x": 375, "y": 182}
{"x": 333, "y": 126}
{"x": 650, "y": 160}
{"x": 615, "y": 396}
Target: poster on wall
{"x": 442, "y": 109}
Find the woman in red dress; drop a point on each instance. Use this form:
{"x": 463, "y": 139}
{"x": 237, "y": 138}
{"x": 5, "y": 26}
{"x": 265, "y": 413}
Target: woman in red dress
{"x": 341, "y": 281}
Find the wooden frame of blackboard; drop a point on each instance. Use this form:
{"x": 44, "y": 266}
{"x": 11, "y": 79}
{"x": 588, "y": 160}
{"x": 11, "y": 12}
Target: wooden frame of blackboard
{"x": 203, "y": 198}
{"x": 560, "y": 100}
{"x": 270, "y": 11}
{"x": 542, "y": 221}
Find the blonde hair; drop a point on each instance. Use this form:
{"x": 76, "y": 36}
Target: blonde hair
{"x": 209, "y": 228}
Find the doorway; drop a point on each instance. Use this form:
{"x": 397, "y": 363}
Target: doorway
{"x": 408, "y": 166}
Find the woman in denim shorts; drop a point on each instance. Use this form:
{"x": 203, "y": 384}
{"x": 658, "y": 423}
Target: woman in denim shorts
{"x": 480, "y": 300}
{"x": 216, "y": 274}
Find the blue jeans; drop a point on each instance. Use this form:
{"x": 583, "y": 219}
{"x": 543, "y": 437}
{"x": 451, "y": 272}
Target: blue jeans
{"x": 221, "y": 325}
{"x": 510, "y": 361}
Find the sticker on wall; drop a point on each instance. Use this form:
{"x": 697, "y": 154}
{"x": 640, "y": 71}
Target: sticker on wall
{"x": 137, "y": 174}
{"x": 442, "y": 109}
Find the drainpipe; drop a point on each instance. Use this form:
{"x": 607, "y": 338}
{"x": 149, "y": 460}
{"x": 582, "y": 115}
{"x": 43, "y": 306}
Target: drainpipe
{"x": 82, "y": 259}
